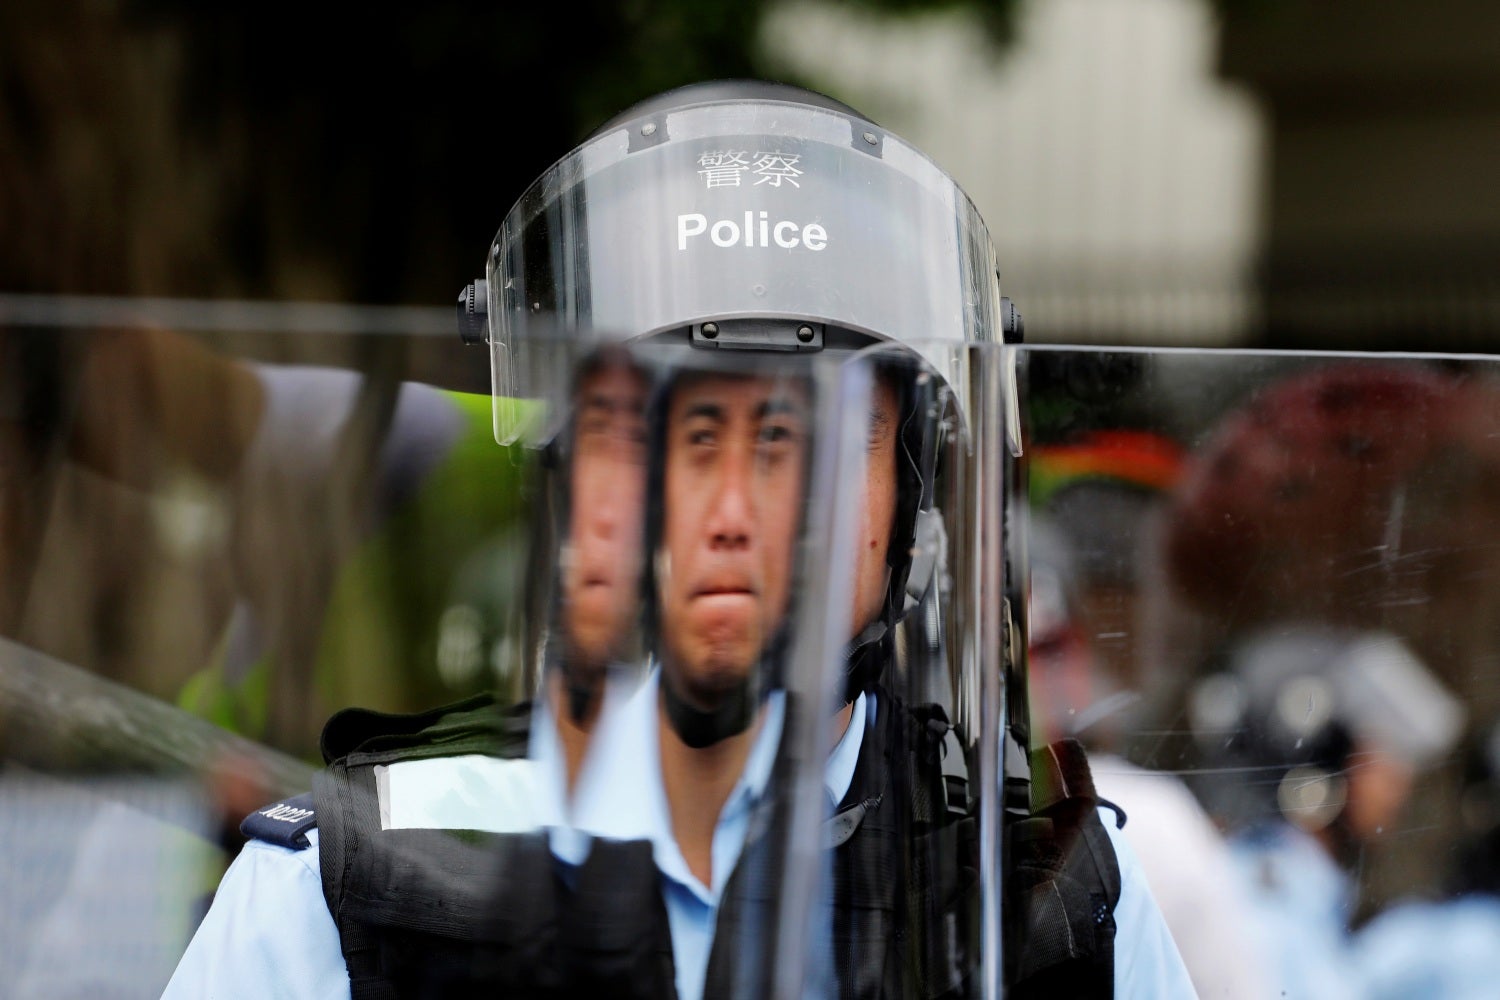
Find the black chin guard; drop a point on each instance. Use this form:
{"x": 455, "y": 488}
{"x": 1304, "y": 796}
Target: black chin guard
{"x": 699, "y": 729}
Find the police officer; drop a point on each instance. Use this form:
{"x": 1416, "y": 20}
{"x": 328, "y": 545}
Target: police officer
{"x": 1446, "y": 948}
{"x": 757, "y": 220}
{"x": 1327, "y": 729}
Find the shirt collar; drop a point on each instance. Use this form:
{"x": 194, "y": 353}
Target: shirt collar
{"x": 839, "y": 772}
{"x": 1301, "y": 871}
{"x": 620, "y": 796}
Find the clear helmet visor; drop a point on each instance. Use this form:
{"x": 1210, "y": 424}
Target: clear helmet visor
{"x": 817, "y": 533}
{"x": 740, "y": 528}
{"x": 771, "y": 225}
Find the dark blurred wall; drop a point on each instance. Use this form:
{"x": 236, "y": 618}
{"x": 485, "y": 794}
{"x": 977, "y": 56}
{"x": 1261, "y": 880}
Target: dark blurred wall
{"x": 306, "y": 151}
{"x": 1383, "y": 212}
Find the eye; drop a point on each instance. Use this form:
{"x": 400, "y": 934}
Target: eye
{"x": 593, "y": 425}
{"x": 632, "y": 432}
{"x": 777, "y": 440}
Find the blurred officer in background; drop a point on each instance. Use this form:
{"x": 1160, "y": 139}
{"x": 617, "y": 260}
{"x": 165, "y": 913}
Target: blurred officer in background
{"x": 744, "y": 238}
{"x": 1447, "y": 948}
{"x": 1327, "y": 729}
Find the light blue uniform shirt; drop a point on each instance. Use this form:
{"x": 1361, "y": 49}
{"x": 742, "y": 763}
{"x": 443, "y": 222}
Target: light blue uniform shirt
{"x": 1300, "y": 903}
{"x": 1420, "y": 950}
{"x": 269, "y": 932}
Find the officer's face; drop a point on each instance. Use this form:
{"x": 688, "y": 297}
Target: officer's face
{"x": 1379, "y": 785}
{"x": 733, "y": 490}
{"x": 608, "y": 468}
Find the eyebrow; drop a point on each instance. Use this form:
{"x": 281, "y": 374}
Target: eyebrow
{"x": 611, "y": 404}
{"x": 778, "y": 406}
{"x": 774, "y": 407}
{"x": 705, "y": 408}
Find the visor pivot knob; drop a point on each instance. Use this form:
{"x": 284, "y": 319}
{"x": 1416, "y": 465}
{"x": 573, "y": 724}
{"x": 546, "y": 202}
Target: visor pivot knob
{"x": 649, "y": 128}
{"x": 871, "y": 138}
{"x": 805, "y": 333}
{"x": 473, "y": 312}
{"x": 1012, "y": 330}
{"x": 710, "y": 330}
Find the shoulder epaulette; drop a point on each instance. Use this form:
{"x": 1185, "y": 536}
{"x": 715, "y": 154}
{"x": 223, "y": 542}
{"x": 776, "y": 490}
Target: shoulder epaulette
{"x": 283, "y": 823}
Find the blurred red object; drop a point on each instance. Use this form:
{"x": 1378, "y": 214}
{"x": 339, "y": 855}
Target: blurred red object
{"x": 1340, "y": 492}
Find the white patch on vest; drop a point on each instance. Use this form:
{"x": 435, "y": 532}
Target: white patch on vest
{"x": 473, "y": 792}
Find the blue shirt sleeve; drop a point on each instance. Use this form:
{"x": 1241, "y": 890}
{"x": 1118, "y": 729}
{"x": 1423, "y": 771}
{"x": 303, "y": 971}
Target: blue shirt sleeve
{"x": 1147, "y": 964}
{"x": 268, "y": 934}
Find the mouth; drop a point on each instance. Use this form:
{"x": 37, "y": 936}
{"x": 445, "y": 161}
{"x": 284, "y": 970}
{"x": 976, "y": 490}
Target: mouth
{"x": 724, "y": 588}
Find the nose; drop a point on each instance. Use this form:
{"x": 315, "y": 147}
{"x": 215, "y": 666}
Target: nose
{"x": 603, "y": 514}
{"x": 731, "y": 515}
{"x": 610, "y": 500}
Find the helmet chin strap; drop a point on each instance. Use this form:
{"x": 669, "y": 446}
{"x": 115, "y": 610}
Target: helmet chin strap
{"x": 865, "y": 658}
{"x": 700, "y": 728}
{"x": 581, "y": 694}
{"x": 582, "y": 699}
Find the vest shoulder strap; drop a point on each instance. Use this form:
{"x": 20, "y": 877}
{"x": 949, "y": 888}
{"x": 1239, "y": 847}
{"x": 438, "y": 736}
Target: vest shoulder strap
{"x": 1060, "y": 773}
{"x": 1065, "y": 883}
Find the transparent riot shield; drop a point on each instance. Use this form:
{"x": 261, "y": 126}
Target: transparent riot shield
{"x": 676, "y": 852}
{"x": 1263, "y": 592}
{"x": 219, "y": 524}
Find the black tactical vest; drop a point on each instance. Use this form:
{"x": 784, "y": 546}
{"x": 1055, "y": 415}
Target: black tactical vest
{"x": 906, "y": 876}
{"x": 440, "y": 913}
{"x": 454, "y": 912}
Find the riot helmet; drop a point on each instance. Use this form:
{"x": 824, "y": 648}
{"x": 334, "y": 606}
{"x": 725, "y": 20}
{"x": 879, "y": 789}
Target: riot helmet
{"x": 1296, "y": 706}
{"x": 744, "y": 216}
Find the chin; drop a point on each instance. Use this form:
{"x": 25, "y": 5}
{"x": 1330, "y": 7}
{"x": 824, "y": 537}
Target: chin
{"x": 708, "y": 679}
